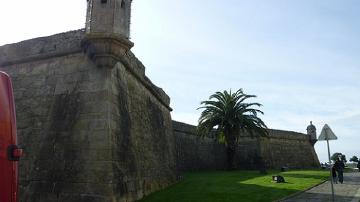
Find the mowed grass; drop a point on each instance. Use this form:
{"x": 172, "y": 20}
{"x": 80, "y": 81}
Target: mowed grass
{"x": 234, "y": 186}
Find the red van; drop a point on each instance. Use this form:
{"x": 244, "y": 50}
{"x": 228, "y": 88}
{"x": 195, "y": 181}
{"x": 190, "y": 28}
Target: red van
{"x": 9, "y": 151}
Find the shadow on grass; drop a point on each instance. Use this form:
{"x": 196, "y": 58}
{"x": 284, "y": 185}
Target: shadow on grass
{"x": 232, "y": 193}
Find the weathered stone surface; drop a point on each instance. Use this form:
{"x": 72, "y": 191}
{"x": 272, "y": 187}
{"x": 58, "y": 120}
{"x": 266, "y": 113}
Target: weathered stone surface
{"x": 89, "y": 133}
{"x": 105, "y": 49}
{"x": 286, "y": 148}
{"x": 44, "y": 47}
{"x": 197, "y": 153}
{"x": 106, "y": 134}
{"x": 283, "y": 148}
{"x": 107, "y": 16}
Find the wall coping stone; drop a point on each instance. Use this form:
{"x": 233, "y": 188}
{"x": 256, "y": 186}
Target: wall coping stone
{"x": 273, "y": 133}
{"x": 41, "y": 48}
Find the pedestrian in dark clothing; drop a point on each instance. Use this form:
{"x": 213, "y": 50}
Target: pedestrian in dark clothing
{"x": 339, "y": 167}
{"x": 358, "y": 166}
{"x": 333, "y": 170}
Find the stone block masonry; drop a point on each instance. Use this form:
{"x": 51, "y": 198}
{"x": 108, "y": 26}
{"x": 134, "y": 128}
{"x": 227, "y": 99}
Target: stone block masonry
{"x": 282, "y": 148}
{"x": 89, "y": 133}
{"x": 292, "y": 149}
{"x": 106, "y": 134}
{"x": 196, "y": 153}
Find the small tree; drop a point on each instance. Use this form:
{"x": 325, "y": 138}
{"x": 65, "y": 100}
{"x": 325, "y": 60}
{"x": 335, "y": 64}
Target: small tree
{"x": 354, "y": 159}
{"x": 336, "y": 155}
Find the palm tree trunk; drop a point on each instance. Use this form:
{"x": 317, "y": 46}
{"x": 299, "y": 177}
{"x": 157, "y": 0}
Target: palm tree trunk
{"x": 230, "y": 151}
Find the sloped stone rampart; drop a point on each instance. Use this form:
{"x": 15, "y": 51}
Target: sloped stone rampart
{"x": 89, "y": 133}
{"x": 97, "y": 134}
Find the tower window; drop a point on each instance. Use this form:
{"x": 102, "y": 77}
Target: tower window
{"x": 103, "y": 1}
{"x": 122, "y": 4}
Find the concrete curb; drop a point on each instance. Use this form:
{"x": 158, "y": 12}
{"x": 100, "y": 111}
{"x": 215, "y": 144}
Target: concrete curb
{"x": 300, "y": 192}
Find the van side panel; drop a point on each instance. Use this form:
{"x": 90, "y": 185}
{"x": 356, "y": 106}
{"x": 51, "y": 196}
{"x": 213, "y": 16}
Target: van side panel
{"x": 8, "y": 169}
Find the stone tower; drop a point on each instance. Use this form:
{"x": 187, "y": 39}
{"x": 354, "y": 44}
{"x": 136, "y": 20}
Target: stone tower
{"x": 107, "y": 31}
{"x": 93, "y": 125}
{"x": 311, "y": 131}
{"x": 109, "y": 16}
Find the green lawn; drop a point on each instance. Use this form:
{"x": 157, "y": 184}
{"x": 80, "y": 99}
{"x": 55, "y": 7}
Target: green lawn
{"x": 231, "y": 186}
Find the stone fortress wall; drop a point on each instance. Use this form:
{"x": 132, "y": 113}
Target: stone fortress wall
{"x": 95, "y": 128}
{"x": 283, "y": 148}
{"x": 106, "y": 134}
{"x": 89, "y": 133}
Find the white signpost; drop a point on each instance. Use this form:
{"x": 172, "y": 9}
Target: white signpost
{"x": 327, "y": 134}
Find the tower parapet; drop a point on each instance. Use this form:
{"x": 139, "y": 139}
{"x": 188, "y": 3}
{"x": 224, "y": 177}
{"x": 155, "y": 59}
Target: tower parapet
{"x": 107, "y": 31}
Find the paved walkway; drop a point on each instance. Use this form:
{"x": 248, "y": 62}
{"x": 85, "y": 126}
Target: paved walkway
{"x": 349, "y": 191}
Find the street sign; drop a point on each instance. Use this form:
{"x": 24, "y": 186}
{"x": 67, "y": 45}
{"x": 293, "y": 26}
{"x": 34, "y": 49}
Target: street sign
{"x": 327, "y": 134}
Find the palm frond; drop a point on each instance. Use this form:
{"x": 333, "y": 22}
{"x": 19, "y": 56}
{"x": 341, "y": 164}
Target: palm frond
{"x": 230, "y": 113}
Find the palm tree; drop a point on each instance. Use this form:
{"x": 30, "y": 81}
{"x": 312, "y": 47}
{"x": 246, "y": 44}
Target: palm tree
{"x": 229, "y": 114}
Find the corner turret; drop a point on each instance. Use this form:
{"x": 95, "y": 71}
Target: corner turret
{"x": 107, "y": 31}
{"x": 311, "y": 131}
{"x": 109, "y": 16}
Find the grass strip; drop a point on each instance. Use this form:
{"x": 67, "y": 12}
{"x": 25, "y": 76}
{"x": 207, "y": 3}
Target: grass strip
{"x": 237, "y": 186}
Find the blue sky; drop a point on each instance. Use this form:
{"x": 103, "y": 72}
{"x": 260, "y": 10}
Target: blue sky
{"x": 300, "y": 57}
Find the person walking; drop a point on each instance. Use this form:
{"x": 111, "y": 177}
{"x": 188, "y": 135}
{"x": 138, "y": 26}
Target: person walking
{"x": 334, "y": 176}
{"x": 358, "y": 166}
{"x": 339, "y": 167}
